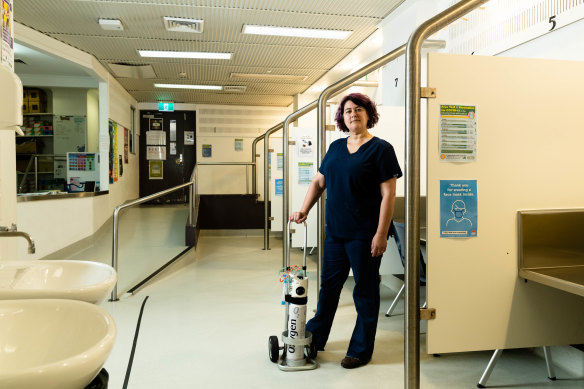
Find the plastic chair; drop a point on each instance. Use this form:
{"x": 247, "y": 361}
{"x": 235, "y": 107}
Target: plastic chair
{"x": 398, "y": 230}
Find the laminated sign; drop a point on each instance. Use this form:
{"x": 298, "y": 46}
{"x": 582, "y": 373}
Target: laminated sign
{"x": 458, "y": 208}
{"x": 458, "y": 133}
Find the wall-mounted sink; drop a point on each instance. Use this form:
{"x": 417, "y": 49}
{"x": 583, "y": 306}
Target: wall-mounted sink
{"x": 52, "y": 344}
{"x": 60, "y": 279}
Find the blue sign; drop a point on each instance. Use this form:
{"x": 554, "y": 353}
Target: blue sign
{"x": 458, "y": 208}
{"x": 279, "y": 186}
{"x": 166, "y": 107}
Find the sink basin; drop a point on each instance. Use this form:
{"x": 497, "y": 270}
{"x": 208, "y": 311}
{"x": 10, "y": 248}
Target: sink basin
{"x": 52, "y": 344}
{"x": 77, "y": 280}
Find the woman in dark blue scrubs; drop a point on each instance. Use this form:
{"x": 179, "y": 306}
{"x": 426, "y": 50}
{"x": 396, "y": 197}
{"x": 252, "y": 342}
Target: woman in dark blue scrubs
{"x": 360, "y": 174}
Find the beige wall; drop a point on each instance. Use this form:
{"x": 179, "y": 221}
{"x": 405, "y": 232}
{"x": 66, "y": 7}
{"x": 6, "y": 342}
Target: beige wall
{"x": 55, "y": 224}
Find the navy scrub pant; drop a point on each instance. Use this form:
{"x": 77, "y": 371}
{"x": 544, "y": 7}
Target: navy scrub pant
{"x": 340, "y": 255}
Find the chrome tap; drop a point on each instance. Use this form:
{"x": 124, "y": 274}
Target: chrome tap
{"x": 9, "y": 232}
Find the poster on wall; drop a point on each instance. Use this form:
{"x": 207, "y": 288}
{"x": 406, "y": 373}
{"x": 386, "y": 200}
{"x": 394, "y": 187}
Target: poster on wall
{"x": 156, "y": 153}
{"x": 280, "y": 158}
{"x": 156, "y": 138}
{"x": 155, "y": 124}
{"x": 458, "y": 209}
{"x": 238, "y": 146}
{"x": 7, "y": 47}
{"x": 279, "y": 186}
{"x": 155, "y": 170}
{"x": 189, "y": 138}
{"x": 113, "y": 152}
{"x": 207, "y": 151}
{"x": 305, "y": 146}
{"x": 126, "y": 144}
{"x": 305, "y": 173}
{"x": 121, "y": 163}
{"x": 458, "y": 133}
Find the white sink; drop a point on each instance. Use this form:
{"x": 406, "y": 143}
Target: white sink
{"x": 78, "y": 280}
{"x": 52, "y": 344}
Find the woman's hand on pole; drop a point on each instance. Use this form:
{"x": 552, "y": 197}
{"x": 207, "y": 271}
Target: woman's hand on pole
{"x": 298, "y": 217}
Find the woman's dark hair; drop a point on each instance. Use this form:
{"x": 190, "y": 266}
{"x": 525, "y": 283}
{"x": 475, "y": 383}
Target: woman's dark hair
{"x": 362, "y": 101}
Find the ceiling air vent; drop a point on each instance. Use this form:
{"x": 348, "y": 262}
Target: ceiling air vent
{"x": 183, "y": 25}
{"x": 234, "y": 88}
{"x": 128, "y": 70}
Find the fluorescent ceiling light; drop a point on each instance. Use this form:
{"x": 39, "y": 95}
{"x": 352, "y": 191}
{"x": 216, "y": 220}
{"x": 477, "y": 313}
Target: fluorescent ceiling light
{"x": 111, "y": 24}
{"x": 295, "y": 32}
{"x": 269, "y": 76}
{"x": 186, "y": 86}
{"x": 184, "y": 54}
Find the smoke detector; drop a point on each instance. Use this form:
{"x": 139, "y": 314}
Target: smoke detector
{"x": 234, "y": 88}
{"x": 183, "y": 25}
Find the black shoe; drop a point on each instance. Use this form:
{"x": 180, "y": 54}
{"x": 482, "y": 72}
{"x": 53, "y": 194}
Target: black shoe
{"x": 351, "y": 363}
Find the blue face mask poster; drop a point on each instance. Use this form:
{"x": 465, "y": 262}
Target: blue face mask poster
{"x": 458, "y": 208}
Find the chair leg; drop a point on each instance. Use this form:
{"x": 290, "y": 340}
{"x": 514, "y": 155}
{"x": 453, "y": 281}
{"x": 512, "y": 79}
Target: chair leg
{"x": 395, "y": 300}
{"x": 489, "y": 369}
{"x": 547, "y": 352}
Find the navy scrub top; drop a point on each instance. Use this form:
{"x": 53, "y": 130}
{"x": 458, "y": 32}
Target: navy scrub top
{"x": 352, "y": 182}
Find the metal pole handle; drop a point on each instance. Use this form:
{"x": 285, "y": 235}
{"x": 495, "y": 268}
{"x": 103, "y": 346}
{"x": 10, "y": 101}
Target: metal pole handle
{"x": 287, "y": 253}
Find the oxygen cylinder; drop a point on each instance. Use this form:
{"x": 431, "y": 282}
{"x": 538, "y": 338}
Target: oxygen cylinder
{"x": 297, "y": 299}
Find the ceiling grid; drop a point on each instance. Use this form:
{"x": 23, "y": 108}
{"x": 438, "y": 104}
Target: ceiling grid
{"x": 74, "y": 22}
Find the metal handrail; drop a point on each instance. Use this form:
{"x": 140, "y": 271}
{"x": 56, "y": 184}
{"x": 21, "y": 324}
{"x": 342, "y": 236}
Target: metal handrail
{"x": 267, "y": 181}
{"x": 254, "y": 156}
{"x": 233, "y": 164}
{"x": 412, "y": 193}
{"x": 266, "y": 137}
{"x": 34, "y": 157}
{"x": 119, "y": 208}
{"x": 325, "y": 95}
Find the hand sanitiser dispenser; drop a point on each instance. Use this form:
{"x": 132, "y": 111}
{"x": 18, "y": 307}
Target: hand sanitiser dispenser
{"x": 11, "y": 107}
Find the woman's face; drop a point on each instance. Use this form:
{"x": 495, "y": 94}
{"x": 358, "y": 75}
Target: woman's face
{"x": 355, "y": 117}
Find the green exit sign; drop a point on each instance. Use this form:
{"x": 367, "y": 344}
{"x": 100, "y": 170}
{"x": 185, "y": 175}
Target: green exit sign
{"x": 166, "y": 107}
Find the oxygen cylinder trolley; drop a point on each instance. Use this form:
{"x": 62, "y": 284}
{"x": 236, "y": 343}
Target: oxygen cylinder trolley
{"x": 298, "y": 349}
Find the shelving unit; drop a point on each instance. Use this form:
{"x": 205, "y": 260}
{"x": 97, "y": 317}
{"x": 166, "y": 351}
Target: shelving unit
{"x": 37, "y": 144}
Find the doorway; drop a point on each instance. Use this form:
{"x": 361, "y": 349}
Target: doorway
{"x": 167, "y": 153}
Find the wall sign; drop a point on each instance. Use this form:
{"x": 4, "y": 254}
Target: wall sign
{"x": 458, "y": 133}
{"x": 458, "y": 208}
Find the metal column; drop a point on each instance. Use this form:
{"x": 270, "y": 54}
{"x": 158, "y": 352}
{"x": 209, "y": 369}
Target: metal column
{"x": 412, "y": 193}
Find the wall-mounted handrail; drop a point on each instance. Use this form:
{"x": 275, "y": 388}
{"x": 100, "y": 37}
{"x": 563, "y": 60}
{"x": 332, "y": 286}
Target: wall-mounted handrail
{"x": 119, "y": 208}
{"x": 412, "y": 183}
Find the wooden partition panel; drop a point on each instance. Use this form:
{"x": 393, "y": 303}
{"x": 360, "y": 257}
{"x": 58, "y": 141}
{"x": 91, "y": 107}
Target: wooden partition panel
{"x": 529, "y": 156}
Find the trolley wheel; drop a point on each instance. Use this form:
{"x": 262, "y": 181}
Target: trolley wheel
{"x": 273, "y": 348}
{"x": 311, "y": 350}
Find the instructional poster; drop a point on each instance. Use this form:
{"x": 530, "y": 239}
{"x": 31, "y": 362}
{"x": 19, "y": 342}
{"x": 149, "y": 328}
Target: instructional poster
{"x": 279, "y": 186}
{"x": 305, "y": 146}
{"x": 238, "y": 144}
{"x": 207, "y": 151}
{"x": 7, "y": 47}
{"x": 305, "y": 173}
{"x": 458, "y": 133}
{"x": 458, "y": 209}
{"x": 155, "y": 170}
